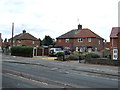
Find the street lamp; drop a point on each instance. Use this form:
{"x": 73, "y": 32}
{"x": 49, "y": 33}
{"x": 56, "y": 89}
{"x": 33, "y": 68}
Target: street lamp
{"x": 12, "y": 34}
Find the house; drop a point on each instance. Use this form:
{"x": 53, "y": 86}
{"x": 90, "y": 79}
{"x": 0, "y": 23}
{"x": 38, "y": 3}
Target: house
{"x": 107, "y": 45}
{"x": 115, "y": 43}
{"x": 81, "y": 40}
{"x": 24, "y": 39}
{"x": 0, "y": 41}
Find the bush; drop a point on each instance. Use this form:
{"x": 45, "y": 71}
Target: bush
{"x": 103, "y": 61}
{"x": 60, "y": 54}
{"x": 73, "y": 57}
{"x": 92, "y": 55}
{"x": 22, "y": 51}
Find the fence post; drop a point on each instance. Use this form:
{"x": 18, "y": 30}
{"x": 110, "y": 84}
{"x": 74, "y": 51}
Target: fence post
{"x": 33, "y": 52}
{"x": 42, "y": 51}
{"x": 36, "y": 51}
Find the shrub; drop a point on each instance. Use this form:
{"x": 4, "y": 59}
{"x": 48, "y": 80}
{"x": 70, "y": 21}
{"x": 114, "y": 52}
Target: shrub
{"x": 92, "y": 55}
{"x": 22, "y": 51}
{"x": 73, "y": 57}
{"x": 60, "y": 54}
{"x": 103, "y": 61}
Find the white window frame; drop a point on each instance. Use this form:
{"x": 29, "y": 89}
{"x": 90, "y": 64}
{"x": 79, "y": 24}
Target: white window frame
{"x": 77, "y": 49}
{"x": 19, "y": 41}
{"x": 33, "y": 42}
{"x": 99, "y": 41}
{"x": 115, "y": 53}
{"x": 89, "y": 39}
{"x": 80, "y": 39}
{"x": 67, "y": 40}
{"x": 89, "y": 50}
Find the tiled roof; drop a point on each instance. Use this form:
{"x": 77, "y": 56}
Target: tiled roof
{"x": 24, "y": 36}
{"x": 114, "y": 32}
{"x": 87, "y": 33}
{"x": 69, "y": 34}
{"x": 79, "y": 33}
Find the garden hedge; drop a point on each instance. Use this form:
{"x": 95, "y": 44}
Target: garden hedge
{"x": 103, "y": 61}
{"x": 22, "y": 51}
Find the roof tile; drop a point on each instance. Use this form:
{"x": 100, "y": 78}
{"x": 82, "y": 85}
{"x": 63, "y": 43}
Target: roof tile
{"x": 79, "y": 33}
{"x": 114, "y": 32}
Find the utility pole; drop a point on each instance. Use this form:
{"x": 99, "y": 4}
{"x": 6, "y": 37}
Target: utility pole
{"x": 12, "y": 34}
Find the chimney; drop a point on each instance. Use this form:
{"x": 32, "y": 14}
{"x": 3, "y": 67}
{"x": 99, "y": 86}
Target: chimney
{"x": 24, "y": 31}
{"x": 79, "y": 27}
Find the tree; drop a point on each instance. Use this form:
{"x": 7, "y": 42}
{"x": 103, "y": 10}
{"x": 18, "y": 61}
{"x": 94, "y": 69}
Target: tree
{"x": 6, "y": 43}
{"x": 40, "y": 42}
{"x": 47, "y": 41}
{"x": 5, "y": 40}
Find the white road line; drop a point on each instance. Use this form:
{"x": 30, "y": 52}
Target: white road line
{"x": 27, "y": 79}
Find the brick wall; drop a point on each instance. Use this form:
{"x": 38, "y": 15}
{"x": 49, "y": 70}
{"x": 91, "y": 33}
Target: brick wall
{"x": 33, "y": 43}
{"x": 119, "y": 45}
{"x": 74, "y": 43}
{"x": 113, "y": 44}
{"x": 63, "y": 43}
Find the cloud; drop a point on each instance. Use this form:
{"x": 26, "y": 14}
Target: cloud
{"x": 56, "y": 17}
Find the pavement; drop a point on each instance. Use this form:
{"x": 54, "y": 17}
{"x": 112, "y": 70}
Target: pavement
{"x": 71, "y": 65}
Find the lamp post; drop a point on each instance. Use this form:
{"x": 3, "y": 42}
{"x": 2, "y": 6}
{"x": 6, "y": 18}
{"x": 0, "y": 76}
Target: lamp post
{"x": 12, "y": 34}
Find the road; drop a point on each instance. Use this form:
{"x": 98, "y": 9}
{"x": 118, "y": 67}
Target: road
{"x": 48, "y": 74}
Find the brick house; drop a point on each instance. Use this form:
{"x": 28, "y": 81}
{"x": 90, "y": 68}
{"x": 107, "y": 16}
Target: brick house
{"x": 25, "y": 39}
{"x": 81, "y": 40}
{"x": 0, "y": 41}
{"x": 115, "y": 43}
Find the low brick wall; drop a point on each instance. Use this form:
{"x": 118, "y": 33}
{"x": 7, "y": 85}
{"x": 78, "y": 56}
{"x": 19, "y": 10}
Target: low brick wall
{"x": 103, "y": 61}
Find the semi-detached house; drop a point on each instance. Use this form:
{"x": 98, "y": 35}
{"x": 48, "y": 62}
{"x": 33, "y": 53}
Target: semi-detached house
{"x": 81, "y": 40}
{"x": 25, "y": 39}
{"x": 115, "y": 43}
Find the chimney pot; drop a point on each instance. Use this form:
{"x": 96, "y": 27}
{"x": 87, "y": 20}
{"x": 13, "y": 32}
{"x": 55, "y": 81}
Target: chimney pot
{"x": 24, "y": 31}
{"x": 79, "y": 26}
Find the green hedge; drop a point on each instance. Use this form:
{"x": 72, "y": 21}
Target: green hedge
{"x": 82, "y": 57}
{"x": 22, "y": 51}
{"x": 73, "y": 57}
{"x": 92, "y": 55}
{"x": 103, "y": 61}
{"x": 60, "y": 54}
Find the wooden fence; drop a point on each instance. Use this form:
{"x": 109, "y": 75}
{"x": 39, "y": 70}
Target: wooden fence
{"x": 41, "y": 52}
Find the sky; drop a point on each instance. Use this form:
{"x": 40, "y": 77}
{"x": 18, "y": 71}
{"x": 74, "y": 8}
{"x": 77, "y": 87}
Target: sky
{"x": 56, "y": 17}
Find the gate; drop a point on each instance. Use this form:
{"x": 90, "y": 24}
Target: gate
{"x": 41, "y": 52}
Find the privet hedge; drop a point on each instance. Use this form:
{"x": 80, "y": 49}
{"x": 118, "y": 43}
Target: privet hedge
{"x": 103, "y": 61}
{"x": 22, "y": 51}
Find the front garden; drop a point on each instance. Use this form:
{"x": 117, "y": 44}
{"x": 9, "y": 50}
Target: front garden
{"x": 91, "y": 58}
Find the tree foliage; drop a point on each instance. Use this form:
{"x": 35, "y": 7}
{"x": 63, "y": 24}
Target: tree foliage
{"x": 47, "y": 41}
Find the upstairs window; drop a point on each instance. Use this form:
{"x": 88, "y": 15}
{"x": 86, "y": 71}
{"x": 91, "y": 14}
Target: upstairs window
{"x": 99, "y": 41}
{"x": 67, "y": 40}
{"x": 80, "y": 40}
{"x": 89, "y": 40}
{"x": 33, "y": 42}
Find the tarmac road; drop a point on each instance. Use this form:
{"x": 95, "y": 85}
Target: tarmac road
{"x": 53, "y": 75}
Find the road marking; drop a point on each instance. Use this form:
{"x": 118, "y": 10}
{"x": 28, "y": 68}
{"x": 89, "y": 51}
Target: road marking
{"x": 27, "y": 78}
{"x": 54, "y": 68}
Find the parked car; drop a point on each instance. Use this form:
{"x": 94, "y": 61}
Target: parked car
{"x": 54, "y": 51}
{"x": 67, "y": 52}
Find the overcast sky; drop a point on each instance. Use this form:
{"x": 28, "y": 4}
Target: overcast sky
{"x": 56, "y": 17}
